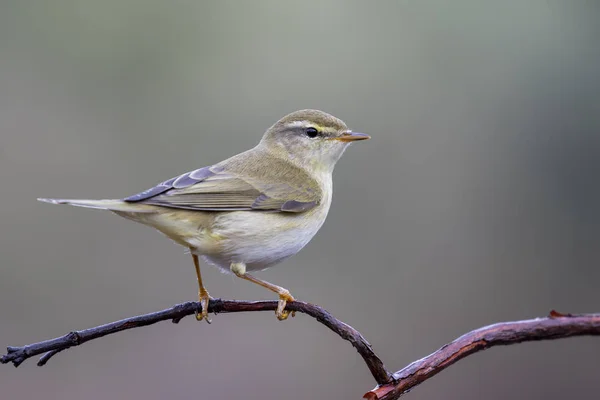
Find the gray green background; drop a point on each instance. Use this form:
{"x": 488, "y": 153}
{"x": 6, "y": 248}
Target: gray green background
{"x": 476, "y": 201}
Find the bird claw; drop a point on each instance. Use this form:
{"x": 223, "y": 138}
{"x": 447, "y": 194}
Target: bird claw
{"x": 203, "y": 314}
{"x": 281, "y": 313}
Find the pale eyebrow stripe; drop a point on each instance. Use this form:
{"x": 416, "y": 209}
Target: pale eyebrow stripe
{"x": 308, "y": 124}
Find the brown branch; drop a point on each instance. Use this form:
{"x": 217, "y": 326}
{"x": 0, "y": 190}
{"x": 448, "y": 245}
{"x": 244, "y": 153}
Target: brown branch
{"x": 17, "y": 355}
{"x": 555, "y": 326}
{"x": 391, "y": 386}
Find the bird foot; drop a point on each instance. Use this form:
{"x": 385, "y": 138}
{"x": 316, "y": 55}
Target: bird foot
{"x": 204, "y": 300}
{"x": 284, "y": 297}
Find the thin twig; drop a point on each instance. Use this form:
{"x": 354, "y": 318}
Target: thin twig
{"x": 555, "y": 326}
{"x": 17, "y": 355}
{"x": 391, "y": 386}
{"x": 46, "y": 357}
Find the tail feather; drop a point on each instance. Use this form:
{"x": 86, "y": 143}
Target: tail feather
{"x": 112, "y": 205}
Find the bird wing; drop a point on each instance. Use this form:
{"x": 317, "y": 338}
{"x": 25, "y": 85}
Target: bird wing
{"x": 249, "y": 181}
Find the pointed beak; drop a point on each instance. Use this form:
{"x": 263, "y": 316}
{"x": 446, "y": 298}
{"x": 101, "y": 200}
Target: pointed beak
{"x": 352, "y": 137}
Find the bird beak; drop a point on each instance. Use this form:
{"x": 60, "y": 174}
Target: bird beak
{"x": 352, "y": 137}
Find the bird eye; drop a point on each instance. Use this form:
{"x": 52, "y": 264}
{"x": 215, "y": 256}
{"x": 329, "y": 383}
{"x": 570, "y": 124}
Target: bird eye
{"x": 312, "y": 132}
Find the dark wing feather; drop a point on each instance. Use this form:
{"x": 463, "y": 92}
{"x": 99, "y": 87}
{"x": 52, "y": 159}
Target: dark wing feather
{"x": 187, "y": 179}
{"x": 231, "y": 186}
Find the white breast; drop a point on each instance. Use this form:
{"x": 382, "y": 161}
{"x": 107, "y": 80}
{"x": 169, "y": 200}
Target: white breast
{"x": 262, "y": 239}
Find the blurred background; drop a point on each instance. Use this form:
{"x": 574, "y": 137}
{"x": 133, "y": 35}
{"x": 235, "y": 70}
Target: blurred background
{"x": 476, "y": 201}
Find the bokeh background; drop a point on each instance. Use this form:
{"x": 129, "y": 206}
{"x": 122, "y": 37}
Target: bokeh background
{"x": 476, "y": 201}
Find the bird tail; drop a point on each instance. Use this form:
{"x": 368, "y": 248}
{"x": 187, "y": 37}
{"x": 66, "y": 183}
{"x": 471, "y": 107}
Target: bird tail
{"x": 112, "y": 205}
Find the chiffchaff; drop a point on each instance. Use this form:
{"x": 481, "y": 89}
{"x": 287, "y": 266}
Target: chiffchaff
{"x": 252, "y": 210}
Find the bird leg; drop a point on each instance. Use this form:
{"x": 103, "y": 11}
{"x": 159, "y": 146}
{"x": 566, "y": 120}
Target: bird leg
{"x": 239, "y": 269}
{"x": 203, "y": 295}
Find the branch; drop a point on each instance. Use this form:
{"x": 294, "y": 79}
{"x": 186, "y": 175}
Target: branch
{"x": 555, "y": 326}
{"x": 391, "y": 386}
{"x": 17, "y": 355}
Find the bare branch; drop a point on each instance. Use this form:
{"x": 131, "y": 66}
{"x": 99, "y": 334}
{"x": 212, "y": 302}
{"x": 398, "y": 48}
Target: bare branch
{"x": 391, "y": 386}
{"x": 555, "y": 326}
{"x": 17, "y": 355}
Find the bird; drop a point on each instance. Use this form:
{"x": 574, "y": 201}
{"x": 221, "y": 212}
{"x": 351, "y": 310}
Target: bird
{"x": 251, "y": 211}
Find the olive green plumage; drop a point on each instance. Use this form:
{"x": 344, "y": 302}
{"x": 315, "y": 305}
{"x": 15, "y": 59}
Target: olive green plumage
{"x": 252, "y": 210}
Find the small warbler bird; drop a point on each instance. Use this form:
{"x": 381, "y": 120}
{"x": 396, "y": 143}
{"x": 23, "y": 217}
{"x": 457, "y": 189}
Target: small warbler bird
{"x": 253, "y": 210}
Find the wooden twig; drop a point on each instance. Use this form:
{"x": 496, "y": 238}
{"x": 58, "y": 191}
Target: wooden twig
{"x": 390, "y": 386}
{"x": 555, "y": 326}
{"x": 17, "y": 355}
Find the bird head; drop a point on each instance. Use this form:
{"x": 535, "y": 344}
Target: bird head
{"x": 311, "y": 139}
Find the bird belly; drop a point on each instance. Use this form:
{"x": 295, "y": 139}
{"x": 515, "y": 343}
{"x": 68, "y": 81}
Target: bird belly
{"x": 190, "y": 229}
{"x": 262, "y": 239}
{"x": 259, "y": 239}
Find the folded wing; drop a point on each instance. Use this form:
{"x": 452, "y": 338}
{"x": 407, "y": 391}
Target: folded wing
{"x": 239, "y": 183}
